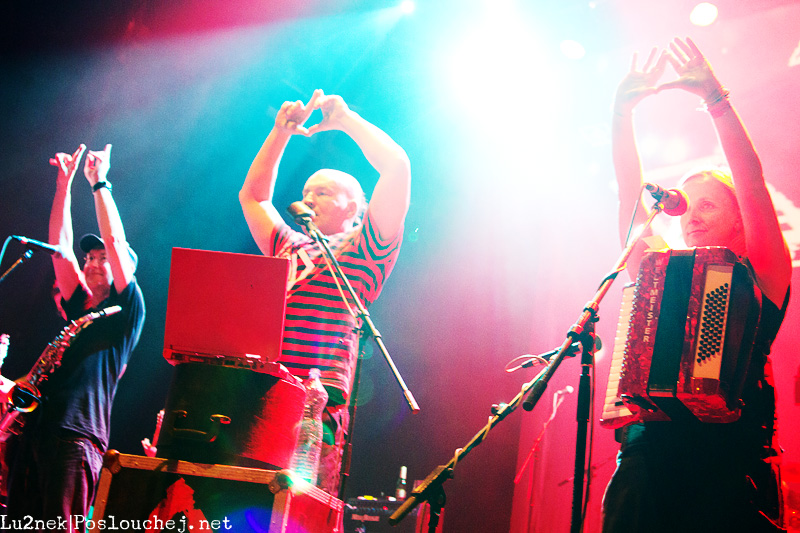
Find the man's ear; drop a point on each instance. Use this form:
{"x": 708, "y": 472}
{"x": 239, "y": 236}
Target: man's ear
{"x": 352, "y": 209}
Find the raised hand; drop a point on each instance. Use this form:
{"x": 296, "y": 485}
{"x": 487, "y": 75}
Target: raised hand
{"x": 333, "y": 110}
{"x": 97, "y": 165}
{"x": 293, "y": 115}
{"x": 694, "y": 71}
{"x": 67, "y": 164}
{"x": 638, "y": 84}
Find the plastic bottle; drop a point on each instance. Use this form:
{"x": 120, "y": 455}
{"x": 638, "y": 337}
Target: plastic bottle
{"x": 5, "y": 340}
{"x": 400, "y": 491}
{"x": 305, "y": 461}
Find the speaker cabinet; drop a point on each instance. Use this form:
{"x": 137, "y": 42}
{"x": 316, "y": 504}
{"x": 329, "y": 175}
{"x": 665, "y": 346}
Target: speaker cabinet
{"x": 371, "y": 515}
{"x": 232, "y": 416}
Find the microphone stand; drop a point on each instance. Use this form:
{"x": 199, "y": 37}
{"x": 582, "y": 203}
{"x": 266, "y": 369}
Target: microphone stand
{"x": 583, "y": 330}
{"x": 431, "y": 489}
{"x": 305, "y": 219}
{"x": 24, "y": 257}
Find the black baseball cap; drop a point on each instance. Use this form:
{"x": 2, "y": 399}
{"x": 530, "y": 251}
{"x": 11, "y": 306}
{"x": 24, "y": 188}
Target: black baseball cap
{"x": 90, "y": 242}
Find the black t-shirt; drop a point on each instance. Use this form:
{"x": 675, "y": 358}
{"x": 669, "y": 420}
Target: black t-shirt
{"x": 78, "y": 396}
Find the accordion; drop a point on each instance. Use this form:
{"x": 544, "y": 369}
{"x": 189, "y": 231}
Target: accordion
{"x": 684, "y": 339}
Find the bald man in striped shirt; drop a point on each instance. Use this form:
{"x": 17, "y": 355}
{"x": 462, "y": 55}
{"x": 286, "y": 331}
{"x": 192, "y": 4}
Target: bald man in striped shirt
{"x": 321, "y": 330}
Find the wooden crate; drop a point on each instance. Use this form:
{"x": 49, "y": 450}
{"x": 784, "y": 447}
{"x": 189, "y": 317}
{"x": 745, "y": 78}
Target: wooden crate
{"x": 134, "y": 489}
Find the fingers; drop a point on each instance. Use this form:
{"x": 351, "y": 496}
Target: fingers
{"x": 78, "y": 153}
{"x": 673, "y": 60}
{"x": 677, "y": 48}
{"x": 322, "y": 101}
{"x": 292, "y": 108}
{"x": 293, "y": 115}
{"x": 296, "y": 113}
{"x": 313, "y": 100}
{"x": 649, "y": 63}
{"x": 65, "y": 162}
{"x": 291, "y": 111}
{"x": 693, "y": 47}
{"x": 685, "y": 48}
{"x": 293, "y": 121}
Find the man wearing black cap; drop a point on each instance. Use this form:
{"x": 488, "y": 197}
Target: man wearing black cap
{"x": 62, "y": 446}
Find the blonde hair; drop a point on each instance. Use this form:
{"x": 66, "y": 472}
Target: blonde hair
{"x": 722, "y": 176}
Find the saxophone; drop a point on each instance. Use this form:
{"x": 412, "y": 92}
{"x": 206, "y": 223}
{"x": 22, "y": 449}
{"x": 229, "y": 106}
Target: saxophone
{"x": 24, "y": 396}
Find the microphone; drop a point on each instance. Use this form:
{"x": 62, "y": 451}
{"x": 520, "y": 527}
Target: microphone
{"x": 301, "y": 212}
{"x": 38, "y": 245}
{"x": 304, "y": 216}
{"x": 675, "y": 201}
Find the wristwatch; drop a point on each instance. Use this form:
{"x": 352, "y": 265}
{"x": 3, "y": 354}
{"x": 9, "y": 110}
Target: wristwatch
{"x": 100, "y": 184}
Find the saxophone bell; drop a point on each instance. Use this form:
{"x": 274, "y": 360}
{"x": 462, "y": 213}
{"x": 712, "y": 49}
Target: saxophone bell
{"x": 24, "y": 397}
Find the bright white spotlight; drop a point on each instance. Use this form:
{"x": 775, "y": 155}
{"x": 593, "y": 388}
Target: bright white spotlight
{"x": 408, "y": 6}
{"x": 703, "y": 14}
{"x": 572, "y": 49}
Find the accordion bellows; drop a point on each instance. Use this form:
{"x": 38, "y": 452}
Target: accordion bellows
{"x": 684, "y": 339}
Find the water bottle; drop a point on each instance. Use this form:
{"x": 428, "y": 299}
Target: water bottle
{"x": 305, "y": 462}
{"x": 5, "y": 340}
{"x": 400, "y": 490}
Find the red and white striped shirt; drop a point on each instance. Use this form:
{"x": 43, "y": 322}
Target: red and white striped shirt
{"x": 320, "y": 332}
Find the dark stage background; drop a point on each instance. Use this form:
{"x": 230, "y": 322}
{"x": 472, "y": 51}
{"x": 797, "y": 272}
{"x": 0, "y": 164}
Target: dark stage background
{"x": 513, "y": 216}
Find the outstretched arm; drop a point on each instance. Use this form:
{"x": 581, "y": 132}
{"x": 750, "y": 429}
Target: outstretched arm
{"x": 635, "y": 86}
{"x": 767, "y": 250}
{"x": 68, "y": 272}
{"x": 259, "y": 185}
{"x": 392, "y": 194}
{"x": 111, "y": 229}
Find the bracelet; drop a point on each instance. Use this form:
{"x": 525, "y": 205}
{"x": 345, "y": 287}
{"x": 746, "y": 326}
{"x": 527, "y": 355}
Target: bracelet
{"x": 100, "y": 185}
{"x": 720, "y": 99}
